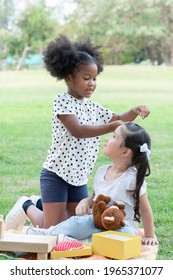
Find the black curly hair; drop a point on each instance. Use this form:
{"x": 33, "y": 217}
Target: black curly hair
{"x": 134, "y": 138}
{"x": 63, "y": 57}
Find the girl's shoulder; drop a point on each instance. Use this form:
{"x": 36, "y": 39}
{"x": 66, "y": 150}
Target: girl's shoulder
{"x": 132, "y": 170}
{"x": 66, "y": 97}
{"x": 102, "y": 170}
{"x": 103, "y": 167}
{"x": 62, "y": 97}
{"x": 131, "y": 176}
{"x": 65, "y": 101}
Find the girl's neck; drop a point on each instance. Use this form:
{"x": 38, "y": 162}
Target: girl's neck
{"x": 75, "y": 95}
{"x": 115, "y": 171}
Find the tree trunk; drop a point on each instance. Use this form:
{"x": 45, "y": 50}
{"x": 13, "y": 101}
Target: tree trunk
{"x": 4, "y": 65}
{"x": 116, "y": 57}
{"x": 159, "y": 57}
{"x": 150, "y": 53}
{"x": 22, "y": 58}
{"x": 171, "y": 54}
{"x": 41, "y": 56}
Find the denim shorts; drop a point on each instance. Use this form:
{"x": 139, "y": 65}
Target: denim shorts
{"x": 55, "y": 189}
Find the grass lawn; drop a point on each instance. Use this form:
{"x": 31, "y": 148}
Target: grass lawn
{"x": 25, "y": 132}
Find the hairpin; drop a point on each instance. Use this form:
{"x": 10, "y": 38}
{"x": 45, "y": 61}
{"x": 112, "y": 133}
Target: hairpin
{"x": 144, "y": 149}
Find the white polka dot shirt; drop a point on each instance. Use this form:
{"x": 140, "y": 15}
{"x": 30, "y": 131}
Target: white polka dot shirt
{"x": 71, "y": 158}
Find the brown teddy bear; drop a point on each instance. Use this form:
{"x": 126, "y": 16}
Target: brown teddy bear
{"x": 108, "y": 218}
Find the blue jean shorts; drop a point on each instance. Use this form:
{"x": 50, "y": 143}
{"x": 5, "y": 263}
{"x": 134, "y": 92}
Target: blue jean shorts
{"x": 55, "y": 189}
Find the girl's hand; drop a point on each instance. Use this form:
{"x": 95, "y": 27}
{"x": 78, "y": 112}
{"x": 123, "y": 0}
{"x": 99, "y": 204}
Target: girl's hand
{"x": 150, "y": 241}
{"x": 115, "y": 124}
{"x": 82, "y": 208}
{"x": 142, "y": 111}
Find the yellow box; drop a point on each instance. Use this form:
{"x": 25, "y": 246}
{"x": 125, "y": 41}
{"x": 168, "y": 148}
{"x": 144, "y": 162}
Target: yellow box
{"x": 86, "y": 251}
{"x": 116, "y": 245}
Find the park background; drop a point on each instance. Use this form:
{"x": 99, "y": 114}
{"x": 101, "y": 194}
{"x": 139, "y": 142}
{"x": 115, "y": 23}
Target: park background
{"x": 137, "y": 40}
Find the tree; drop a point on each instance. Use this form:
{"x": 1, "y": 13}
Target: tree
{"x": 144, "y": 26}
{"x": 125, "y": 28}
{"x": 166, "y": 19}
{"x": 36, "y": 27}
{"x": 6, "y": 11}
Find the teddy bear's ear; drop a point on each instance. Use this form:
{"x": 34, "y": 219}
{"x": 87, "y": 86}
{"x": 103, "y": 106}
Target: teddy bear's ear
{"x": 120, "y": 204}
{"x": 102, "y": 197}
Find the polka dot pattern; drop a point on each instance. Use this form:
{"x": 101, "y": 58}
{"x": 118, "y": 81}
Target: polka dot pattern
{"x": 71, "y": 158}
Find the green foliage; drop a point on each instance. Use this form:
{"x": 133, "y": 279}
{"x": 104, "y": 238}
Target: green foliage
{"x": 129, "y": 26}
{"x": 126, "y": 58}
{"x": 6, "y": 10}
{"x": 6, "y": 257}
{"x": 126, "y": 28}
{"x": 36, "y": 25}
{"x": 27, "y": 99}
{"x": 31, "y": 30}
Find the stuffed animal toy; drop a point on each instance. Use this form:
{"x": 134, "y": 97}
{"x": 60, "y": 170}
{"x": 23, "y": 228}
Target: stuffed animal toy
{"x": 108, "y": 218}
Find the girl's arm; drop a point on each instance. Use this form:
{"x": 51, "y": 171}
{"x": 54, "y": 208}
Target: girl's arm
{"x": 147, "y": 221}
{"x": 131, "y": 115}
{"x": 84, "y": 206}
{"x": 71, "y": 122}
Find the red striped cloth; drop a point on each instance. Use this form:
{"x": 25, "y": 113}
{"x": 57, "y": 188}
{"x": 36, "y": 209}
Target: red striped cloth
{"x": 68, "y": 245}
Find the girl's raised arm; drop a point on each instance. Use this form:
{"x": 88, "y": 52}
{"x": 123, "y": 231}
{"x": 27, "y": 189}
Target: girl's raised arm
{"x": 131, "y": 115}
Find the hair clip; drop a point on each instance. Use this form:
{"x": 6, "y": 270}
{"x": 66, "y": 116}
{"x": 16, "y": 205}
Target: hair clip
{"x": 144, "y": 149}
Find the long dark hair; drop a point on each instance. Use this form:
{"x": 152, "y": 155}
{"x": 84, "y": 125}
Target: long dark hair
{"x": 134, "y": 138}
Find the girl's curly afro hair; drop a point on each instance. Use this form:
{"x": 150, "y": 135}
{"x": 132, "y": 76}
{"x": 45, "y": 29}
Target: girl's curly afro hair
{"x": 62, "y": 57}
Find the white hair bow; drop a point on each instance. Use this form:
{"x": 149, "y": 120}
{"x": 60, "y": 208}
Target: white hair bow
{"x": 144, "y": 149}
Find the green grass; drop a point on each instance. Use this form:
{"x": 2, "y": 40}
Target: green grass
{"x": 25, "y": 132}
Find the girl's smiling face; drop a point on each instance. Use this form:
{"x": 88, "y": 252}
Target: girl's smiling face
{"x": 83, "y": 82}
